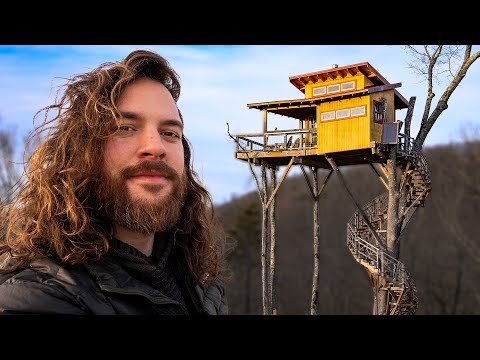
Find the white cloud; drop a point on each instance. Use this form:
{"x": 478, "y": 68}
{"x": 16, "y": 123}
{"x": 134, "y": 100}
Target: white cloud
{"x": 217, "y": 84}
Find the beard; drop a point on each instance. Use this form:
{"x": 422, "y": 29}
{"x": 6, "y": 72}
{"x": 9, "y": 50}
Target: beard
{"x": 141, "y": 215}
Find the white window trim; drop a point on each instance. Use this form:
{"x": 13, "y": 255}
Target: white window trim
{"x": 327, "y": 113}
{"x": 348, "y": 82}
{"x": 347, "y": 110}
{"x": 364, "y": 112}
{"x": 334, "y": 91}
{"x": 319, "y": 88}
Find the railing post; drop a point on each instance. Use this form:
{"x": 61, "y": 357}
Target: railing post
{"x": 378, "y": 262}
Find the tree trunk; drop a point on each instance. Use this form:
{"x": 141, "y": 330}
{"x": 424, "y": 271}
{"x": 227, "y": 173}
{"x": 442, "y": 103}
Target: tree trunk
{"x": 316, "y": 247}
{"x": 393, "y": 227}
{"x": 273, "y": 250}
{"x": 265, "y": 267}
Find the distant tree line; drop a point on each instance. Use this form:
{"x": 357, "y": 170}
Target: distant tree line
{"x": 440, "y": 246}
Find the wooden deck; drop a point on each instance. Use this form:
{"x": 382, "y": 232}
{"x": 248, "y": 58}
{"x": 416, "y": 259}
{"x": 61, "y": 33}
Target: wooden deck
{"x": 310, "y": 158}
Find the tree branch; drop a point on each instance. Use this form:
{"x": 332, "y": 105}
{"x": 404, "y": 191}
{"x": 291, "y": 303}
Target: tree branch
{"x": 429, "y": 120}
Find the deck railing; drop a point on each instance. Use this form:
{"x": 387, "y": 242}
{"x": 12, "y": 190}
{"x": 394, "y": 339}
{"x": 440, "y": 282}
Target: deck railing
{"x": 277, "y": 140}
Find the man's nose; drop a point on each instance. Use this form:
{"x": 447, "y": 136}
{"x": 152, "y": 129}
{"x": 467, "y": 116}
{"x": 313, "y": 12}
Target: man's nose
{"x": 152, "y": 144}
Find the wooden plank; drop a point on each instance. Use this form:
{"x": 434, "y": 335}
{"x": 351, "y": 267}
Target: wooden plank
{"x": 383, "y": 87}
{"x": 285, "y": 172}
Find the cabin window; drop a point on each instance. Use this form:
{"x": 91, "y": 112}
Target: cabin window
{"x": 317, "y": 91}
{"x": 333, "y": 88}
{"x": 341, "y": 114}
{"x": 350, "y": 85}
{"x": 329, "y": 115}
{"x": 378, "y": 112}
{"x": 358, "y": 111}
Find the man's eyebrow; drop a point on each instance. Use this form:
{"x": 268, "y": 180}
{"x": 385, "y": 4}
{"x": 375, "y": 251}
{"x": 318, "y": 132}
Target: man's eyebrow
{"x": 173, "y": 122}
{"x": 130, "y": 115}
{"x": 134, "y": 116}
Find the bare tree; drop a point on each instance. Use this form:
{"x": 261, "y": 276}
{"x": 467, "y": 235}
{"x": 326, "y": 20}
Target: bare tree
{"x": 436, "y": 64}
{"x": 8, "y": 168}
{"x": 9, "y": 173}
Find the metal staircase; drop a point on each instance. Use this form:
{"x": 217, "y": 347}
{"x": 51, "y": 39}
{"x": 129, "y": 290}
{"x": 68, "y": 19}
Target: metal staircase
{"x": 374, "y": 256}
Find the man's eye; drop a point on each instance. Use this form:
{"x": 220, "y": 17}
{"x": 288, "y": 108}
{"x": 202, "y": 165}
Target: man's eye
{"x": 170, "y": 134}
{"x": 126, "y": 128}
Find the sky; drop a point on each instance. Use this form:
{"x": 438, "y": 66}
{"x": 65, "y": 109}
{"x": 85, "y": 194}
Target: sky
{"x": 218, "y": 81}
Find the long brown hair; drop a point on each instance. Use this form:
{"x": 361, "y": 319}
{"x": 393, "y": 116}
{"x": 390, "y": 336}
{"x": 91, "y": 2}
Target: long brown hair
{"x": 52, "y": 212}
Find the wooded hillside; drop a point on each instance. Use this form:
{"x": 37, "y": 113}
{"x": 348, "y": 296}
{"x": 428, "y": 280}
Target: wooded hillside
{"x": 440, "y": 246}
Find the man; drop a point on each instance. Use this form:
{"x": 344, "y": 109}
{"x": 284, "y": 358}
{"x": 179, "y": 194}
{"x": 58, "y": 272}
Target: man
{"x": 111, "y": 218}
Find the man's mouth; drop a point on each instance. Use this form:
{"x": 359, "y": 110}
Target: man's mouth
{"x": 150, "y": 177}
{"x": 150, "y": 173}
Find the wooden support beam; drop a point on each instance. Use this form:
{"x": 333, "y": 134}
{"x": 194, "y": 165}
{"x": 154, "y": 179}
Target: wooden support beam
{"x": 315, "y": 196}
{"x": 397, "y": 302}
{"x": 265, "y": 127}
{"x": 360, "y": 210}
{"x": 405, "y": 173}
{"x": 413, "y": 203}
{"x": 272, "y": 262}
{"x": 308, "y": 181}
{"x": 309, "y": 162}
{"x": 379, "y": 176}
{"x": 285, "y": 172}
{"x": 383, "y": 87}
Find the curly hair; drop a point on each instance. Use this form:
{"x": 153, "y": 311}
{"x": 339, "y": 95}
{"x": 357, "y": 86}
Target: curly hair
{"x": 53, "y": 213}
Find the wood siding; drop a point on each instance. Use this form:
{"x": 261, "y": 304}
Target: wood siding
{"x": 344, "y": 134}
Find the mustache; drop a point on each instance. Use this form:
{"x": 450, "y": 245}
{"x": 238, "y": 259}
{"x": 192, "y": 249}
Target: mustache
{"x": 157, "y": 166}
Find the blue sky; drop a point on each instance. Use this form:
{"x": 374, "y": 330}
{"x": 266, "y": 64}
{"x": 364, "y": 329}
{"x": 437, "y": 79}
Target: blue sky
{"x": 218, "y": 81}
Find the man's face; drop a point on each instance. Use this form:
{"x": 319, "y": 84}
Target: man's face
{"x": 142, "y": 184}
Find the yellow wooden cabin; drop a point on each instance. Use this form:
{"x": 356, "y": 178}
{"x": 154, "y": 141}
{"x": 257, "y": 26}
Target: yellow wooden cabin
{"x": 348, "y": 111}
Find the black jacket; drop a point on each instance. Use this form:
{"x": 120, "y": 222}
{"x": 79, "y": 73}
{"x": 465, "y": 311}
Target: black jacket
{"x": 93, "y": 288}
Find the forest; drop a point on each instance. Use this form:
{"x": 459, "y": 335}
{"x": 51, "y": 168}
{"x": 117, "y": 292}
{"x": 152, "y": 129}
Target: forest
{"x": 440, "y": 246}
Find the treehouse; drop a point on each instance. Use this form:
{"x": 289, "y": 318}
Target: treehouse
{"x": 346, "y": 117}
{"x": 347, "y": 111}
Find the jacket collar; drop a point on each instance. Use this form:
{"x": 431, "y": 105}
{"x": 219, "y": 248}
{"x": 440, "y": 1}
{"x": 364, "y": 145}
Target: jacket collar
{"x": 113, "y": 278}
